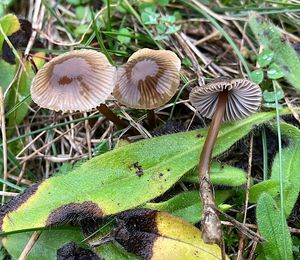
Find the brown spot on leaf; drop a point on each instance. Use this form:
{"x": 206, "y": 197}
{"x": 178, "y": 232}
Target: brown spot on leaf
{"x": 138, "y": 169}
{"x": 16, "y": 202}
{"x": 75, "y": 213}
{"x": 72, "y": 251}
{"x": 137, "y": 231}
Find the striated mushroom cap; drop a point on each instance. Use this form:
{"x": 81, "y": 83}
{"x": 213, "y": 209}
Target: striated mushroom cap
{"x": 244, "y": 98}
{"x": 148, "y": 80}
{"x": 78, "y": 80}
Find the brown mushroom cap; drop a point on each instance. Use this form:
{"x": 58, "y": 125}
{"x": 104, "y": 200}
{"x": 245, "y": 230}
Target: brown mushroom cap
{"x": 75, "y": 81}
{"x": 148, "y": 80}
{"x": 244, "y": 98}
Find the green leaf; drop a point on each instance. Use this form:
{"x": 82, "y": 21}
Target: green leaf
{"x": 274, "y": 72}
{"x": 122, "y": 38}
{"x": 285, "y": 56}
{"x": 220, "y": 175}
{"x": 162, "y": 2}
{"x": 291, "y": 174}
{"x": 265, "y": 58}
{"x": 105, "y": 179}
{"x": 3, "y": 6}
{"x": 257, "y": 76}
{"x": 10, "y": 24}
{"x": 270, "y": 227}
{"x": 7, "y": 73}
{"x": 160, "y": 37}
{"x": 148, "y": 7}
{"x": 45, "y": 247}
{"x": 291, "y": 177}
{"x": 113, "y": 251}
{"x": 187, "y": 62}
{"x": 81, "y": 29}
{"x": 173, "y": 29}
{"x": 161, "y": 28}
{"x": 272, "y": 187}
{"x": 80, "y": 12}
{"x": 287, "y": 130}
{"x": 177, "y": 15}
{"x": 269, "y": 96}
{"x": 149, "y": 17}
{"x": 76, "y": 2}
{"x": 187, "y": 205}
{"x": 168, "y": 19}
{"x": 19, "y": 92}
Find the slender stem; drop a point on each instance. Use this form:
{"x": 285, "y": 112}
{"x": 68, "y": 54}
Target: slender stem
{"x": 205, "y": 157}
{"x": 281, "y": 177}
{"x": 35, "y": 236}
{"x": 151, "y": 118}
{"x": 211, "y": 225}
{"x": 265, "y": 152}
{"x": 4, "y": 140}
{"x": 105, "y": 110}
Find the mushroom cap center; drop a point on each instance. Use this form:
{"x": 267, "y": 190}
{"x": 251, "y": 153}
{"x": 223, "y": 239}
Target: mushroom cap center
{"x": 70, "y": 69}
{"x": 144, "y": 68}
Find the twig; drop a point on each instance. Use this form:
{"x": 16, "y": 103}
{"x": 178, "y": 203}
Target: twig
{"x": 46, "y": 145}
{"x": 38, "y": 15}
{"x": 8, "y": 194}
{"x": 243, "y": 228}
{"x": 4, "y": 141}
{"x": 220, "y": 18}
{"x": 187, "y": 49}
{"x": 35, "y": 236}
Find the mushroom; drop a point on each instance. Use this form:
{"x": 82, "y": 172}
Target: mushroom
{"x": 224, "y": 99}
{"x": 148, "y": 80}
{"x": 78, "y": 80}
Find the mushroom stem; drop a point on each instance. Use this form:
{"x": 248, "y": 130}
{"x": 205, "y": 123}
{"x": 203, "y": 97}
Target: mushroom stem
{"x": 106, "y": 111}
{"x": 151, "y": 119}
{"x": 211, "y": 225}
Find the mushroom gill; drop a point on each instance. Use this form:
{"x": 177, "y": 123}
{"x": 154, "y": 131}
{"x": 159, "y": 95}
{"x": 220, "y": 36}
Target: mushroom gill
{"x": 78, "y": 80}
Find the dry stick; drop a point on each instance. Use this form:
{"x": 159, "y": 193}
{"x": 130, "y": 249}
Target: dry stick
{"x": 48, "y": 144}
{"x": 253, "y": 249}
{"x": 211, "y": 225}
{"x": 4, "y": 141}
{"x": 242, "y": 239}
{"x": 183, "y": 43}
{"x": 8, "y": 194}
{"x": 35, "y": 236}
{"x": 243, "y": 228}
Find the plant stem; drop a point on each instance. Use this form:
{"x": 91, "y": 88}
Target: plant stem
{"x": 105, "y": 110}
{"x": 211, "y": 225}
{"x": 151, "y": 119}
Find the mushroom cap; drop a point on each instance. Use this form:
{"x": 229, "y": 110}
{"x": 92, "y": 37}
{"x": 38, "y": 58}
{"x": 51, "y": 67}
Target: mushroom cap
{"x": 78, "y": 80}
{"x": 244, "y": 98}
{"x": 148, "y": 80}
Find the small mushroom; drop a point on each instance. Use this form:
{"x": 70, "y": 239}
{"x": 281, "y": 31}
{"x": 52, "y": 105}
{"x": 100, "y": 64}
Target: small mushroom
{"x": 75, "y": 81}
{"x": 148, "y": 80}
{"x": 223, "y": 99}
{"x": 78, "y": 80}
